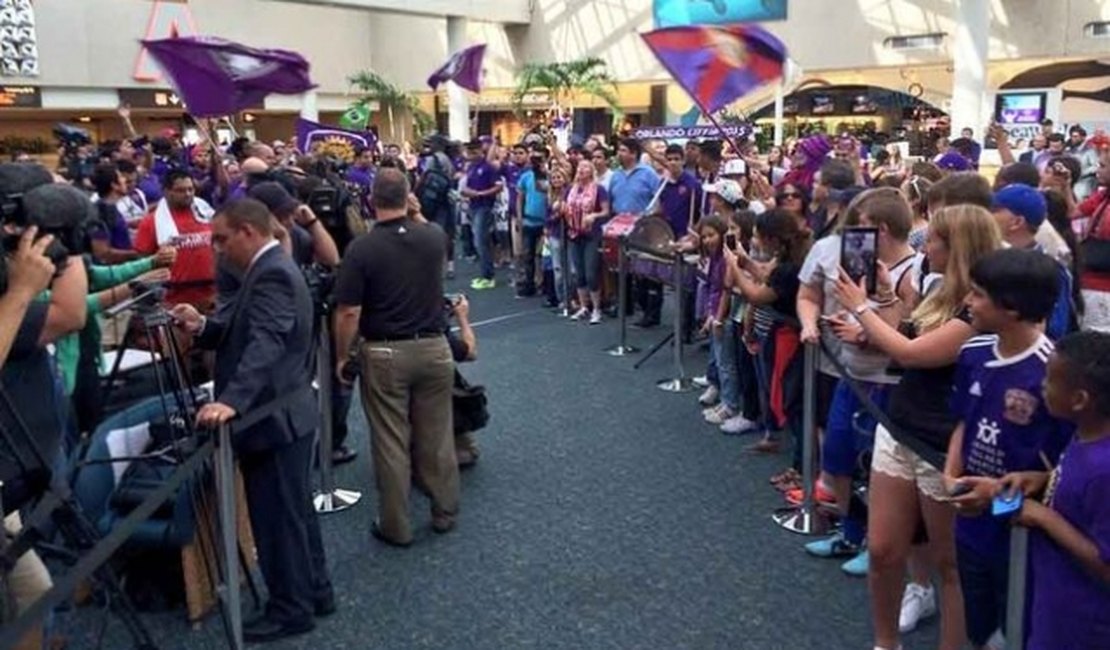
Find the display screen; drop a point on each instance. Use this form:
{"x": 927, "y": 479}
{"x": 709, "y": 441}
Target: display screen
{"x": 864, "y": 105}
{"x": 824, "y": 104}
{"x": 790, "y": 106}
{"x": 1020, "y": 108}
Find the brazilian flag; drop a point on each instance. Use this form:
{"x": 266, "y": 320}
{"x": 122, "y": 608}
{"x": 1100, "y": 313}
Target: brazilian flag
{"x": 356, "y": 118}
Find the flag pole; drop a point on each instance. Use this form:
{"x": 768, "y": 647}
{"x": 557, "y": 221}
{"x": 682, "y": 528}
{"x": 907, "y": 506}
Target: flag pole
{"x": 726, "y": 136}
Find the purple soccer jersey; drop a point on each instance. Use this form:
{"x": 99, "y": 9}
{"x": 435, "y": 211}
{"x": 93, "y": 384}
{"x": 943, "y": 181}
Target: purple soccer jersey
{"x": 1070, "y": 605}
{"x": 1006, "y": 425}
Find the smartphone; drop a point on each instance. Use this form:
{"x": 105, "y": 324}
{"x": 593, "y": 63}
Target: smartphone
{"x": 1005, "y": 505}
{"x": 730, "y": 241}
{"x": 960, "y": 490}
{"x": 859, "y": 255}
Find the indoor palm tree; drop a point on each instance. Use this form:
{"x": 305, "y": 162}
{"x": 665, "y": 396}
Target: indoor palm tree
{"x": 587, "y": 76}
{"x": 376, "y": 88}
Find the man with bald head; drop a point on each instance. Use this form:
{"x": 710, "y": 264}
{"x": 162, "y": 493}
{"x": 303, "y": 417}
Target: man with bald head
{"x": 390, "y": 292}
{"x": 263, "y": 151}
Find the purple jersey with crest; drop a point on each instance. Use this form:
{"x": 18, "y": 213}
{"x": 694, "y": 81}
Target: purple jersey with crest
{"x": 1006, "y": 425}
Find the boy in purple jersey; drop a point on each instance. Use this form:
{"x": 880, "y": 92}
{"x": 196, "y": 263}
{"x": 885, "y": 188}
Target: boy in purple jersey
{"x": 1004, "y": 424}
{"x": 1070, "y": 543}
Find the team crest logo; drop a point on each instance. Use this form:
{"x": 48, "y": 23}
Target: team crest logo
{"x": 1020, "y": 406}
{"x": 335, "y": 147}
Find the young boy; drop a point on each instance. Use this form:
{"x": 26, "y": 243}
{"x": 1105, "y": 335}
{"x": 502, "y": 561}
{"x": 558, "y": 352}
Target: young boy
{"x": 1070, "y": 544}
{"x": 1005, "y": 426}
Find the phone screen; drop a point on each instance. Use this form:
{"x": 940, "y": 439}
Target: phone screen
{"x": 859, "y": 254}
{"x": 730, "y": 241}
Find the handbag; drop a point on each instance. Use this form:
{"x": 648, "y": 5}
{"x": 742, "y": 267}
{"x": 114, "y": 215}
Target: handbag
{"x": 1094, "y": 252}
{"x": 469, "y": 405}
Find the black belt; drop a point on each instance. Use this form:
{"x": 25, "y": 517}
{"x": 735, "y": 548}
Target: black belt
{"x": 412, "y": 336}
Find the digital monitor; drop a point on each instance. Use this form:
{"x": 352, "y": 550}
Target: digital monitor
{"x": 863, "y": 105}
{"x": 824, "y": 104}
{"x": 1020, "y": 108}
{"x": 790, "y": 106}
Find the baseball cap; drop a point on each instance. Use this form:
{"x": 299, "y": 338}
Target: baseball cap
{"x": 1024, "y": 201}
{"x": 276, "y": 198}
{"x": 734, "y": 167}
{"x": 728, "y": 190}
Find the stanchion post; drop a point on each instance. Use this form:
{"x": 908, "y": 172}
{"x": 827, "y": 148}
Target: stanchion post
{"x": 1015, "y": 598}
{"x": 230, "y": 591}
{"x": 681, "y": 383}
{"x": 330, "y": 498}
{"x": 564, "y": 255}
{"x": 806, "y": 519}
{"x": 622, "y": 349}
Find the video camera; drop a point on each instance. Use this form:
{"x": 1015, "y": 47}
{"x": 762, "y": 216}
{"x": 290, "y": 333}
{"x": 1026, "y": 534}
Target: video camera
{"x": 71, "y": 137}
{"x": 29, "y": 197}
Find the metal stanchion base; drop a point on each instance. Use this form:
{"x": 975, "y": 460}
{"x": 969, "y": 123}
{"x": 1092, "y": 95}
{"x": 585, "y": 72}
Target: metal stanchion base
{"x": 337, "y": 500}
{"x": 621, "y": 350}
{"x": 679, "y": 385}
{"x": 802, "y": 520}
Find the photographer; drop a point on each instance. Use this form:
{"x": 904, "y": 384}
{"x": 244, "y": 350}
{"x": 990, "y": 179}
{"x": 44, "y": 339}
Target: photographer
{"x": 464, "y": 347}
{"x": 309, "y": 242}
{"x": 26, "y": 273}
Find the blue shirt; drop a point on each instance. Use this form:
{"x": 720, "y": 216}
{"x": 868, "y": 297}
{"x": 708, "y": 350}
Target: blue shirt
{"x": 631, "y": 191}
{"x": 1006, "y": 426}
{"x": 535, "y": 199}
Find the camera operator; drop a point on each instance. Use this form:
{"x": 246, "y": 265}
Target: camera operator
{"x": 464, "y": 347}
{"x": 26, "y": 273}
{"x": 390, "y": 291}
{"x": 309, "y": 242}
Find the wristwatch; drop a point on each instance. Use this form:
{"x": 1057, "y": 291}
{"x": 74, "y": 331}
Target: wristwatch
{"x": 862, "y": 309}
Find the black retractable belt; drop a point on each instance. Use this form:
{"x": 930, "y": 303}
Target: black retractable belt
{"x": 927, "y": 453}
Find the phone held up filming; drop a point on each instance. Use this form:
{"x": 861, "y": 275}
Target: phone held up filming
{"x": 859, "y": 255}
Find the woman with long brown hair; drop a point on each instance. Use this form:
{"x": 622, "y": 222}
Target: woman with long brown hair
{"x": 906, "y": 480}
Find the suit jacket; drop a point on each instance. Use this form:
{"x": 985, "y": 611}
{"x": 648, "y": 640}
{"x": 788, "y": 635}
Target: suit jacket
{"x": 264, "y": 351}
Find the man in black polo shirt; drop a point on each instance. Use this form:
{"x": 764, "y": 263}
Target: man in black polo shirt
{"x": 390, "y": 290}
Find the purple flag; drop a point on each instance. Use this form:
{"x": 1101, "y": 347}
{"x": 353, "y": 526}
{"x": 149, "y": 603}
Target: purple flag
{"x": 218, "y": 77}
{"x": 464, "y": 68}
{"x": 333, "y": 140}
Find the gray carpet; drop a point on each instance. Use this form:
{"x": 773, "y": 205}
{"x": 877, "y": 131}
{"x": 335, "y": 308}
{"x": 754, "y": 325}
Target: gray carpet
{"x": 603, "y": 514}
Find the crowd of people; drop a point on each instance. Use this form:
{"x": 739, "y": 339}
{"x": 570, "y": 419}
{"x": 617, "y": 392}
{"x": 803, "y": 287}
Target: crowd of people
{"x": 971, "y": 371}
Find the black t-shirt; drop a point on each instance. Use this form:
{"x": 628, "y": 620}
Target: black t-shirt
{"x": 919, "y": 405}
{"x": 785, "y": 283}
{"x": 301, "y": 239}
{"x": 29, "y": 384}
{"x": 395, "y": 273}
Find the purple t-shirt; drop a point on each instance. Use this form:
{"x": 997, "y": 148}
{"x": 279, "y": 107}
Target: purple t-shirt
{"x": 1006, "y": 426}
{"x": 1070, "y": 606}
{"x": 675, "y": 202}
{"x": 511, "y": 174}
{"x": 482, "y": 176}
{"x": 712, "y": 286}
{"x": 111, "y": 226}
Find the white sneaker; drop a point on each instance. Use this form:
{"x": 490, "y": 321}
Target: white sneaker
{"x": 710, "y": 396}
{"x": 580, "y": 314}
{"x": 719, "y": 416}
{"x": 700, "y": 382}
{"x": 996, "y": 642}
{"x": 595, "y": 318}
{"x": 738, "y": 424}
{"x": 918, "y": 604}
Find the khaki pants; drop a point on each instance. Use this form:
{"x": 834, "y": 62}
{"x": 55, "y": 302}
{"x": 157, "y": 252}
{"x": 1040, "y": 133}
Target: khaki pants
{"x": 406, "y": 393}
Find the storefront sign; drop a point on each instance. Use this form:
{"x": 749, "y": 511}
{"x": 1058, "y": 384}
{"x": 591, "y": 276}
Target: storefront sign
{"x": 143, "y": 98}
{"x": 20, "y": 97}
{"x": 167, "y": 20}
{"x": 678, "y": 132}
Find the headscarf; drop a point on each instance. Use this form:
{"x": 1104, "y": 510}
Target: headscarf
{"x": 815, "y": 149}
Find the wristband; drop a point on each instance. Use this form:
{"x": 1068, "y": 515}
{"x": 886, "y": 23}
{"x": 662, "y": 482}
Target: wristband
{"x": 862, "y": 309}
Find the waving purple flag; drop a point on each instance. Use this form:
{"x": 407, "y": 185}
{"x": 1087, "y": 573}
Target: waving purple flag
{"x": 464, "y": 68}
{"x": 332, "y": 140}
{"x": 218, "y": 77}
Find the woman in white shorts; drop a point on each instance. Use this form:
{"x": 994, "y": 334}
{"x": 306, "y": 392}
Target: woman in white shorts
{"x": 904, "y": 487}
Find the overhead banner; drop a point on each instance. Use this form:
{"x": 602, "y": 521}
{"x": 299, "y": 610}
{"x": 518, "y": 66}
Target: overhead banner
{"x": 679, "y": 132}
{"x": 333, "y": 141}
{"x": 678, "y": 13}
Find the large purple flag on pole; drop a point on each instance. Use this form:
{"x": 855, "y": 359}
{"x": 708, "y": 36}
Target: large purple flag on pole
{"x": 464, "y": 68}
{"x": 217, "y": 77}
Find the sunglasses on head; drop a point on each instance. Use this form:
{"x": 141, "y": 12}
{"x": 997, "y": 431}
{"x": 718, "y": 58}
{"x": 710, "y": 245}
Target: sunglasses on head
{"x": 790, "y": 195}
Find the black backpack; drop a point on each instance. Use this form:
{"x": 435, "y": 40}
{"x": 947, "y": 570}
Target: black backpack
{"x": 469, "y": 404}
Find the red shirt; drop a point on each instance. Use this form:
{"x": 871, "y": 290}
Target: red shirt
{"x": 195, "y": 268}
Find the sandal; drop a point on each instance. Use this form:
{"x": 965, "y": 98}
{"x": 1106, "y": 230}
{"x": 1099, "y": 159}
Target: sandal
{"x": 787, "y": 475}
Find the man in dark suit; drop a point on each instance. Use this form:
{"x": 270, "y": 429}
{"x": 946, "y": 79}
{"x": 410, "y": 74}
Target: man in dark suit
{"x": 264, "y": 351}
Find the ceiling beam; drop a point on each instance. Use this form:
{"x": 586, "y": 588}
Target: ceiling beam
{"x": 516, "y": 12}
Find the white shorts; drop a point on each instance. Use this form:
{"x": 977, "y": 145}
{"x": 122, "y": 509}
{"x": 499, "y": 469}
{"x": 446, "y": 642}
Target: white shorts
{"x": 1096, "y": 311}
{"x": 896, "y": 460}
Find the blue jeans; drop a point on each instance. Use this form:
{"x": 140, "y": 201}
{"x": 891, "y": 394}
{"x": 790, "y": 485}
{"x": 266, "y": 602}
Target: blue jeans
{"x": 585, "y": 258}
{"x": 728, "y": 367}
{"x": 481, "y": 219}
{"x": 555, "y": 245}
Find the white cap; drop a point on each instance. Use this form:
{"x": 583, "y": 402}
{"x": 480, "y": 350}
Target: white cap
{"x": 734, "y": 167}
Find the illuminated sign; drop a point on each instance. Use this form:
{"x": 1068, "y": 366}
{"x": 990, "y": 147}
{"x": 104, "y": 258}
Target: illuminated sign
{"x": 20, "y": 97}
{"x": 167, "y": 20}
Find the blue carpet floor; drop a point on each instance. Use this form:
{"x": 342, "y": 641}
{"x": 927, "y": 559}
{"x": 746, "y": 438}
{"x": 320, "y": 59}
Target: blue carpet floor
{"x": 603, "y": 514}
